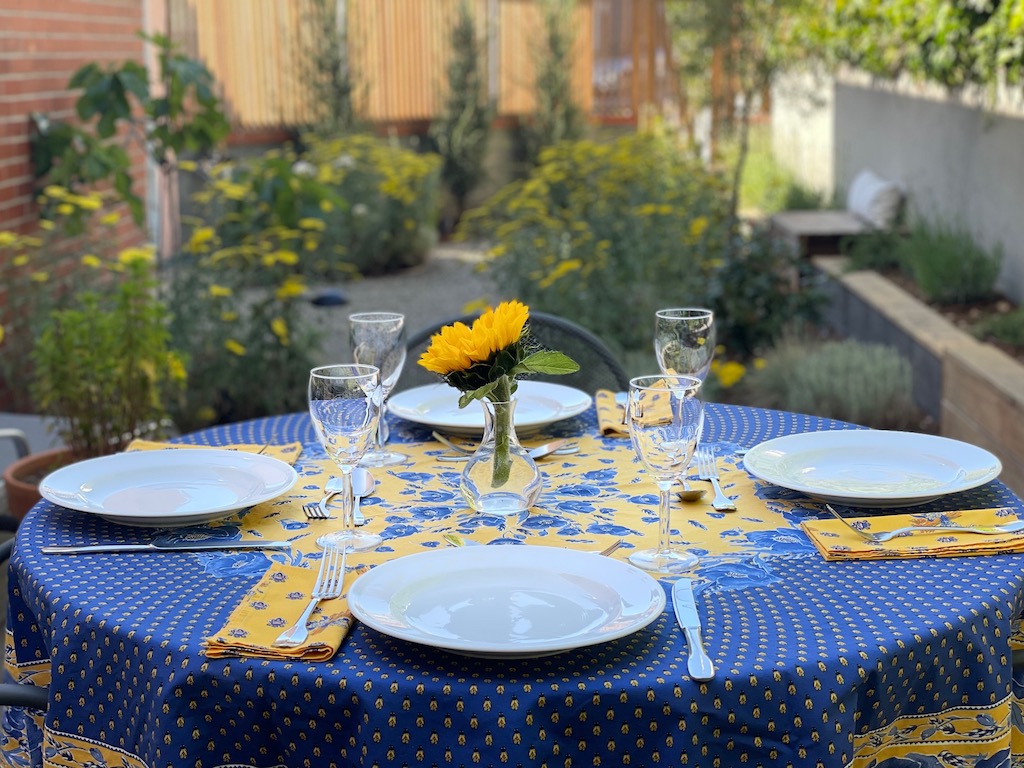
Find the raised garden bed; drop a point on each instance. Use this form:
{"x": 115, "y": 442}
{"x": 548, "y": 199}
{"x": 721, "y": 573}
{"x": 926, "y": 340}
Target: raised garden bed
{"x": 973, "y": 390}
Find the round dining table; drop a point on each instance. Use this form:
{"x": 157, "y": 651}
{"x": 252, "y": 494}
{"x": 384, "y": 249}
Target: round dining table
{"x": 862, "y": 662}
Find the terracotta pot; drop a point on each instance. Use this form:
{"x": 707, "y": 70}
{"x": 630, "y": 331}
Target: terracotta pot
{"x": 21, "y": 478}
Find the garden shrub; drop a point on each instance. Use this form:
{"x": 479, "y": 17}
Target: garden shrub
{"x": 867, "y": 384}
{"x": 239, "y": 322}
{"x": 607, "y": 234}
{"x": 1007, "y": 328}
{"x": 387, "y": 217}
{"x": 947, "y": 265}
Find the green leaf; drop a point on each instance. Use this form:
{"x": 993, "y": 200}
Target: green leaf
{"x": 477, "y": 394}
{"x": 549, "y": 362}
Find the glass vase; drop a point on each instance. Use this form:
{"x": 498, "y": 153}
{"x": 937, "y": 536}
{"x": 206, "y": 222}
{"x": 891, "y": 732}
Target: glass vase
{"x": 500, "y": 478}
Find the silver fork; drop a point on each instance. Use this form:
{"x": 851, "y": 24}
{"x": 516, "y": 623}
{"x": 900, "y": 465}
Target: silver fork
{"x": 707, "y": 469}
{"x": 329, "y": 582}
{"x": 878, "y": 538}
{"x": 314, "y": 511}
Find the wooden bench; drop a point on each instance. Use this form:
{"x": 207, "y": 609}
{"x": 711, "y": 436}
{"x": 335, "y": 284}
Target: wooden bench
{"x": 872, "y": 204}
{"x": 816, "y": 233}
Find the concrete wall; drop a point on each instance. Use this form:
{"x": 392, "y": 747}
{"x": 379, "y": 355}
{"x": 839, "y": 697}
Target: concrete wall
{"x": 961, "y": 163}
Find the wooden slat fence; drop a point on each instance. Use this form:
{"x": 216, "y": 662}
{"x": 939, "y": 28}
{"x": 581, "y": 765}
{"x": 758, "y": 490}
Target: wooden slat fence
{"x": 399, "y": 52}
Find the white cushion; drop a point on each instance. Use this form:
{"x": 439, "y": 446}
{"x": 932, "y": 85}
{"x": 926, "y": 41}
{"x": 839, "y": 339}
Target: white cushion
{"x": 874, "y": 199}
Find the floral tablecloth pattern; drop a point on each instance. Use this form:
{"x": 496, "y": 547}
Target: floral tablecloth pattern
{"x": 859, "y": 663}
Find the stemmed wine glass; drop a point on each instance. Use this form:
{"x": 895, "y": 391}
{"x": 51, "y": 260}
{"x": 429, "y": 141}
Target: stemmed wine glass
{"x": 684, "y": 341}
{"x": 665, "y": 419}
{"x": 378, "y": 339}
{"x": 345, "y": 404}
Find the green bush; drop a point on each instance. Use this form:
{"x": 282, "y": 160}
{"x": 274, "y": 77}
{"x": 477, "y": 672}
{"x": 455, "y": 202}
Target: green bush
{"x": 387, "y": 215}
{"x": 1007, "y": 328}
{"x": 607, "y": 234}
{"x": 239, "y": 322}
{"x": 867, "y": 384}
{"x": 878, "y": 250}
{"x": 947, "y": 265}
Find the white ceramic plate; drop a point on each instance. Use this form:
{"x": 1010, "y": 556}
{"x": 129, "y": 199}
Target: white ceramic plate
{"x": 437, "y": 405}
{"x": 506, "y": 601}
{"x": 872, "y": 468}
{"x": 168, "y": 487}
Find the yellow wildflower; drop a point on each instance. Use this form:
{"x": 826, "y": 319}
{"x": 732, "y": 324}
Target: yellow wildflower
{"x": 110, "y": 219}
{"x": 65, "y": 209}
{"x": 187, "y": 165}
{"x": 730, "y": 373}
{"x": 697, "y": 226}
{"x": 176, "y": 367}
{"x": 20, "y": 260}
{"x": 326, "y": 206}
{"x": 91, "y": 260}
{"x": 200, "y": 236}
{"x": 87, "y": 202}
{"x": 219, "y": 291}
{"x": 311, "y": 223}
{"x": 760, "y": 363}
{"x": 47, "y": 225}
{"x": 1, "y": 334}
{"x": 563, "y": 269}
{"x": 229, "y": 316}
{"x": 280, "y": 329}
{"x": 146, "y": 253}
{"x": 287, "y": 257}
{"x": 55, "y": 191}
{"x": 7, "y": 238}
{"x": 234, "y": 347}
{"x": 291, "y": 288}
{"x": 39, "y": 277}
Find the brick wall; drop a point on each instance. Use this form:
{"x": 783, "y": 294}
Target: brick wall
{"x": 42, "y": 43}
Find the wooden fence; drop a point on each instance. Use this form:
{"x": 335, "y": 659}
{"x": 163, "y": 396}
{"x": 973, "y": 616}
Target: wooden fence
{"x": 399, "y": 51}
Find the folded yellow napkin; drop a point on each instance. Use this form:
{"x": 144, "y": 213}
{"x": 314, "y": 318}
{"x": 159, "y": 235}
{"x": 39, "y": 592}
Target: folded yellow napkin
{"x": 610, "y": 414}
{"x": 288, "y": 452}
{"x": 272, "y": 606}
{"x": 836, "y": 541}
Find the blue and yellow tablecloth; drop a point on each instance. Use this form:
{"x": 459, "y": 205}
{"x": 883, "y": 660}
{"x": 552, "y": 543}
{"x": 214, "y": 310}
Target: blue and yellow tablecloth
{"x": 832, "y": 663}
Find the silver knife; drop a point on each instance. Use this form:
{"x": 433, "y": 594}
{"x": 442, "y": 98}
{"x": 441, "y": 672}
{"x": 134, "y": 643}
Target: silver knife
{"x": 697, "y": 663}
{"x": 166, "y": 545}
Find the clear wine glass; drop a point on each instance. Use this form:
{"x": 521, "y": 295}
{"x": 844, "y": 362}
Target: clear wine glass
{"x": 684, "y": 341}
{"x": 378, "y": 339}
{"x": 665, "y": 419}
{"x": 345, "y": 404}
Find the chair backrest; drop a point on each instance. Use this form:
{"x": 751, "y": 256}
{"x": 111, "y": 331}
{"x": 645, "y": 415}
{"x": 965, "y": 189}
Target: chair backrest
{"x": 599, "y": 368}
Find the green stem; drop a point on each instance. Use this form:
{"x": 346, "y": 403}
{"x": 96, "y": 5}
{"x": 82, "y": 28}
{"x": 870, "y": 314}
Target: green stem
{"x": 502, "y": 429}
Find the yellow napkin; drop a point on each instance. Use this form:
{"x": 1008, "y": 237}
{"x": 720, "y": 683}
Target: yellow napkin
{"x": 610, "y": 414}
{"x": 271, "y": 607}
{"x": 836, "y": 541}
{"x": 288, "y": 452}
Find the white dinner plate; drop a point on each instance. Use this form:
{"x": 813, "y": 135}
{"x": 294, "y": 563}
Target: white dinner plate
{"x": 539, "y": 403}
{"x": 169, "y": 487}
{"x": 506, "y": 601}
{"x": 872, "y": 468}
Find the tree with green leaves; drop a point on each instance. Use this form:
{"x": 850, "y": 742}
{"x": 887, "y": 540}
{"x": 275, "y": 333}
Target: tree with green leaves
{"x": 557, "y": 117}
{"x": 753, "y": 42}
{"x": 462, "y": 131}
{"x": 183, "y": 116}
{"x": 332, "y": 83}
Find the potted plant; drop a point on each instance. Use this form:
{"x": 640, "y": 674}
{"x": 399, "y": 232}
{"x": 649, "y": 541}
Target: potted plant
{"x": 93, "y": 353}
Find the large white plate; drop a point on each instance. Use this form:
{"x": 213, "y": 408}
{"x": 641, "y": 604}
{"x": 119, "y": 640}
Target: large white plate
{"x": 168, "y": 487}
{"x": 508, "y": 601}
{"x": 437, "y": 405}
{"x": 872, "y": 468}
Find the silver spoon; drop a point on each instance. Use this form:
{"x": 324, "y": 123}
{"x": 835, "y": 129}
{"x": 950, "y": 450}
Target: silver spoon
{"x": 362, "y": 485}
{"x": 690, "y": 494}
